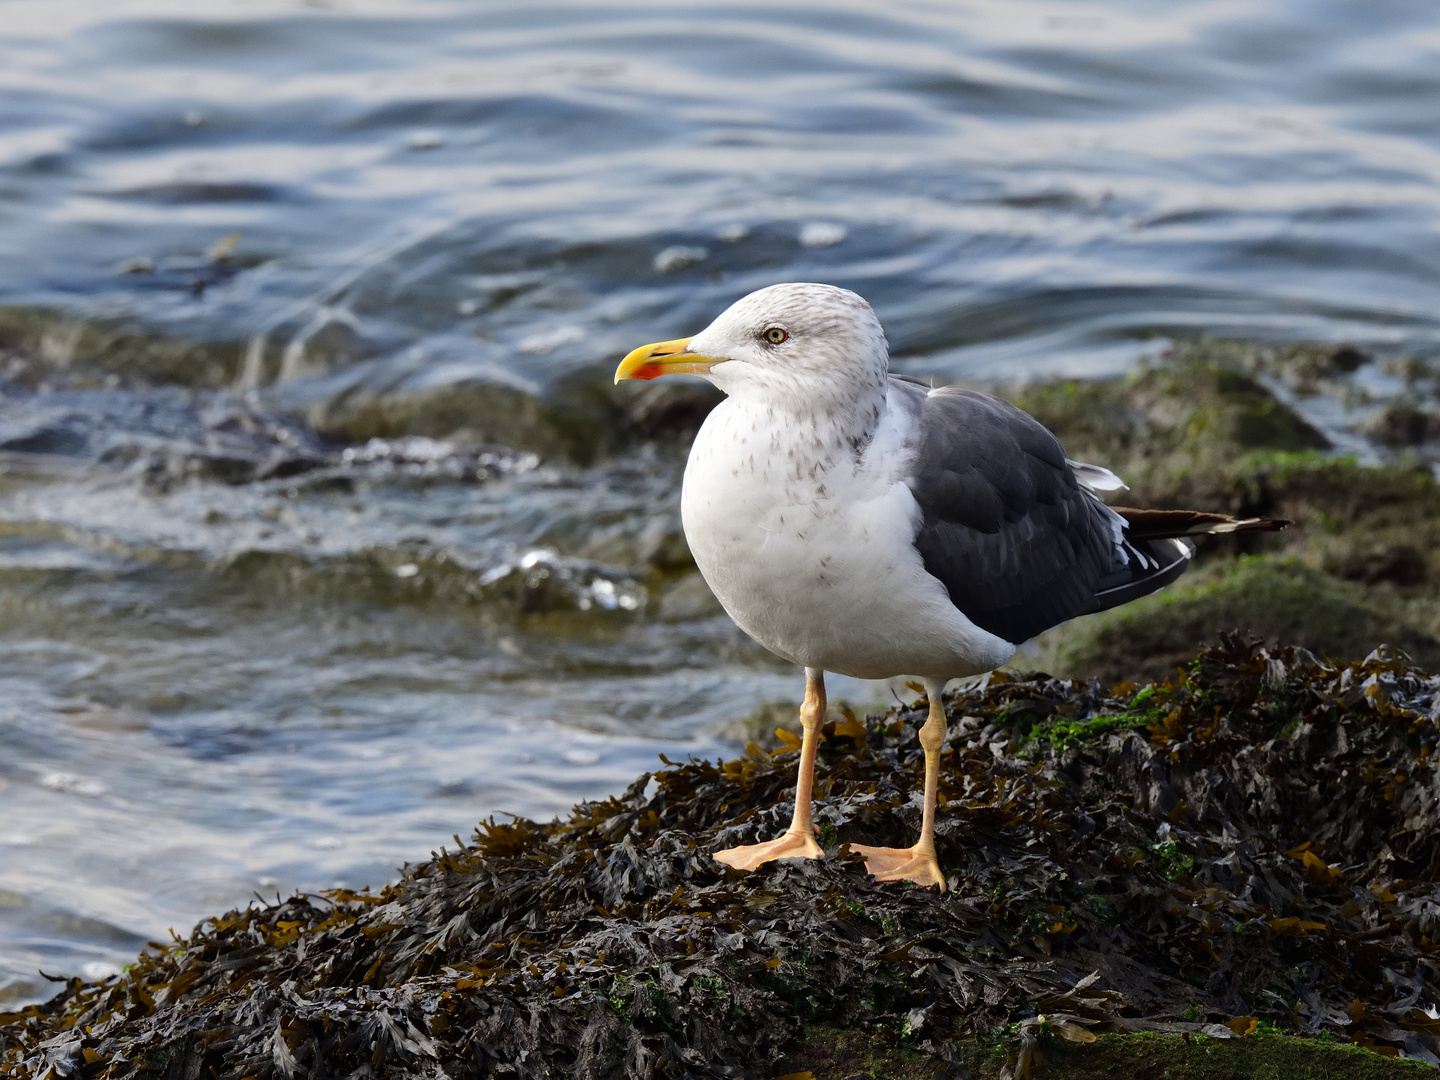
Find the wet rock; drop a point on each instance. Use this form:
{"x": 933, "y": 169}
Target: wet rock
{"x": 1414, "y": 370}
{"x": 1348, "y": 359}
{"x": 1401, "y": 425}
{"x": 1199, "y": 429}
{"x": 468, "y": 413}
{"x": 581, "y": 418}
{"x": 416, "y": 457}
{"x": 537, "y": 582}
{"x": 88, "y": 351}
{"x": 1174, "y": 429}
{"x": 664, "y": 546}
{"x": 44, "y": 438}
{"x": 1399, "y": 565}
{"x": 671, "y": 410}
{"x": 1276, "y": 599}
{"x": 1307, "y": 368}
{"x": 688, "y": 599}
{"x": 577, "y": 417}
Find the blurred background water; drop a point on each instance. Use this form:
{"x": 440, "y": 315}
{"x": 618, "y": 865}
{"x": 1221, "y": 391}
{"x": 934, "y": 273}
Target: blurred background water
{"x": 323, "y": 535}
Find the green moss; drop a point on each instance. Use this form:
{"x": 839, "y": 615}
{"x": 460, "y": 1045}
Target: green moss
{"x": 88, "y": 351}
{"x": 1198, "y": 429}
{"x": 1061, "y": 732}
{"x": 1276, "y": 598}
{"x": 830, "y": 1054}
{"x": 1167, "y": 420}
{"x": 476, "y": 413}
{"x": 1255, "y": 1057}
{"x": 1175, "y": 864}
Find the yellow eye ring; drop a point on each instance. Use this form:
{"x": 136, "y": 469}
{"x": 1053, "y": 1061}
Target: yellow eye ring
{"x": 774, "y": 335}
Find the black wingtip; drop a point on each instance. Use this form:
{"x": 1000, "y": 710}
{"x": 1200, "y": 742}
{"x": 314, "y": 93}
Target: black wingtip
{"x": 1147, "y": 583}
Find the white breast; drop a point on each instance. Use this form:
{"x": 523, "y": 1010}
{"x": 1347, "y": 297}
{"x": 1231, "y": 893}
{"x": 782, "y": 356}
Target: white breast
{"x": 810, "y": 549}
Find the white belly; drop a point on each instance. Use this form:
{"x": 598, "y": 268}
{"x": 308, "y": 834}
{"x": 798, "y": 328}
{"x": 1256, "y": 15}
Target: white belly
{"x": 817, "y": 563}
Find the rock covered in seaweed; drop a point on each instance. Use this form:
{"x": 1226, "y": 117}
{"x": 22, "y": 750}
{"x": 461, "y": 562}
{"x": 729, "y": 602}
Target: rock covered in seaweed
{"x": 1253, "y": 841}
{"x": 1206, "y": 425}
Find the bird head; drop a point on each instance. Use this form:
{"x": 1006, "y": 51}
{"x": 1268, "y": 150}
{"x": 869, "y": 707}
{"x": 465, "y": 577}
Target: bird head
{"x": 815, "y": 344}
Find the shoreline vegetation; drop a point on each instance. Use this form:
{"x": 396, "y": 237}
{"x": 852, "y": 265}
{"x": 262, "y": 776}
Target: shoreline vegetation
{"x": 1233, "y": 866}
{"x": 1201, "y": 866}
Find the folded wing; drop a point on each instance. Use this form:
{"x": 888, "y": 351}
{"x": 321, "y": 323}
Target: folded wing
{"x": 1016, "y": 533}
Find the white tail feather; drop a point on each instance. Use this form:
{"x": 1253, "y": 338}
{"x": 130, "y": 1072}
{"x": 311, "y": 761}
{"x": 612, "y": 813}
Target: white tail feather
{"x": 1096, "y": 478}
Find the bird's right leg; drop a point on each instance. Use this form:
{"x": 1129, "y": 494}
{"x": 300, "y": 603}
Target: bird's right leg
{"x": 919, "y": 863}
{"x": 798, "y": 841}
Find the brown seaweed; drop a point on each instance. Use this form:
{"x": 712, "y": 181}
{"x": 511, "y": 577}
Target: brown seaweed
{"x": 1250, "y": 844}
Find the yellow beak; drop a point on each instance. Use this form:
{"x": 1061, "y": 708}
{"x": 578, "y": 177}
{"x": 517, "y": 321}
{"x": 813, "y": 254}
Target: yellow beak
{"x": 664, "y": 358}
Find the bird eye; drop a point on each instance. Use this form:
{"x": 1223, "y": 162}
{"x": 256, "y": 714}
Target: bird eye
{"x": 775, "y": 336}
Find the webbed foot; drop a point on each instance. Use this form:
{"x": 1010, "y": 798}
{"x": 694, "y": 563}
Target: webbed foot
{"x": 791, "y": 845}
{"x": 902, "y": 864}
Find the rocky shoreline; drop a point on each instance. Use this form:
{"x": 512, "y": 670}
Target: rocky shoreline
{"x": 1246, "y": 849}
{"x": 1207, "y": 425}
{"x": 1224, "y": 863}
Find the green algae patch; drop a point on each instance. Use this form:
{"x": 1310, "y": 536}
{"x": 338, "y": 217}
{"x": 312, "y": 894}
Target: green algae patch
{"x": 1255, "y": 1057}
{"x": 1246, "y": 850}
{"x": 89, "y": 351}
{"x": 1174, "y": 427}
{"x": 580, "y": 418}
{"x": 467, "y": 413}
{"x": 830, "y": 1054}
{"x": 1278, "y": 598}
{"x": 1060, "y": 731}
{"x": 1149, "y": 1056}
{"x": 1201, "y": 427}
{"x": 1188, "y": 408}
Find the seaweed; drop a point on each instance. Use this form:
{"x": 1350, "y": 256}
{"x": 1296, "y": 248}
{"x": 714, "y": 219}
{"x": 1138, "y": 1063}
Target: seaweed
{"x": 1247, "y": 847}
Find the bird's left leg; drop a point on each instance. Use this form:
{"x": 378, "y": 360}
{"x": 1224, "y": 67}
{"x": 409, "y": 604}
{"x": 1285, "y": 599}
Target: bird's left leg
{"x": 918, "y": 863}
{"x": 798, "y": 841}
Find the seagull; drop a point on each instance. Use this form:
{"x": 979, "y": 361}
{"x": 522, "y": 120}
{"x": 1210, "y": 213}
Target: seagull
{"x": 856, "y": 521}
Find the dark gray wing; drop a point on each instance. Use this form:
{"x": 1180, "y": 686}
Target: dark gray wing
{"x": 1017, "y": 542}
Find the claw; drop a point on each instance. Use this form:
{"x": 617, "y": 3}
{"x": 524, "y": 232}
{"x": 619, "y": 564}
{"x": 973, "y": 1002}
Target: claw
{"x": 790, "y": 846}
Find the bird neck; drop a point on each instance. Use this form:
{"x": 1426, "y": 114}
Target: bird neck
{"x": 829, "y": 422}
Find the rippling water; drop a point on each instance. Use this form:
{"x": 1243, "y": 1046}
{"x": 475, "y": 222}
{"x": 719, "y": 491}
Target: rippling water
{"x": 383, "y": 553}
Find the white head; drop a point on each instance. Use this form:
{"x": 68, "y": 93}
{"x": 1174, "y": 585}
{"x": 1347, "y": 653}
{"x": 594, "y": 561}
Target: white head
{"x": 796, "y": 346}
